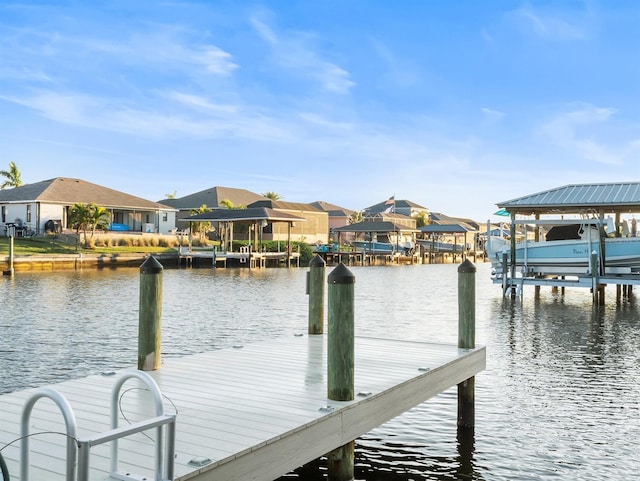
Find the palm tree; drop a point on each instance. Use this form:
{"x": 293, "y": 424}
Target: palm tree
{"x": 272, "y": 195}
{"x": 355, "y": 217}
{"x": 88, "y": 217}
{"x": 98, "y": 218}
{"x": 172, "y": 195}
{"x": 12, "y": 176}
{"x": 201, "y": 228}
{"x": 227, "y": 204}
{"x": 79, "y": 218}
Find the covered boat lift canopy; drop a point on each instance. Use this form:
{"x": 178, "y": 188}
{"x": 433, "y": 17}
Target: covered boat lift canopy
{"x": 589, "y": 201}
{"x": 259, "y": 217}
{"x": 434, "y": 230}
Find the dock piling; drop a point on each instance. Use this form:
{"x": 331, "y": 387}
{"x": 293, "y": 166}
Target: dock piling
{"x": 149, "y": 320}
{"x": 316, "y": 294}
{"x": 9, "y": 272}
{"x": 466, "y": 339}
{"x": 340, "y": 361}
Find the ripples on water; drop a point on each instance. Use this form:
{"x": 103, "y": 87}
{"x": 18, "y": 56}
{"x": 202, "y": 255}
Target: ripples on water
{"x": 560, "y": 398}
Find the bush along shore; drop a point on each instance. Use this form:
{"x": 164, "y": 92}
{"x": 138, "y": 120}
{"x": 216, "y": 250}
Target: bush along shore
{"x": 65, "y": 251}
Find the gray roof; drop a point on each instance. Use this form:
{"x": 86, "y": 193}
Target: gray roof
{"x": 445, "y": 228}
{"x": 279, "y": 204}
{"x": 247, "y": 215}
{"x": 213, "y": 197}
{"x": 375, "y": 227}
{"x": 68, "y": 191}
{"x": 609, "y": 197}
{"x": 332, "y": 209}
{"x": 399, "y": 204}
{"x": 437, "y": 218}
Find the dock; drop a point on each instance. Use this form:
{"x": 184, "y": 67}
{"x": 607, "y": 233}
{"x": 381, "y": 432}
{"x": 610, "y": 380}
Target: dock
{"x": 242, "y": 258}
{"x": 252, "y": 412}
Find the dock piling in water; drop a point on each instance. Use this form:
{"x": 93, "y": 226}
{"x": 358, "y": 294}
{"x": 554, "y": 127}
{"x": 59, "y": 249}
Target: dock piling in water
{"x": 316, "y": 294}
{"x": 149, "y": 320}
{"x": 466, "y": 339}
{"x": 341, "y": 361}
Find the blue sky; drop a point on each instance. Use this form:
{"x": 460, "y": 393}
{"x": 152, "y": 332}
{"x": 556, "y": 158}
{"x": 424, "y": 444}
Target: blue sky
{"x": 455, "y": 105}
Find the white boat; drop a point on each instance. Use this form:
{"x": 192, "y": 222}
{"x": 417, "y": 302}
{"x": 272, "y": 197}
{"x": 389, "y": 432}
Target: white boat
{"x": 375, "y": 247}
{"x": 567, "y": 250}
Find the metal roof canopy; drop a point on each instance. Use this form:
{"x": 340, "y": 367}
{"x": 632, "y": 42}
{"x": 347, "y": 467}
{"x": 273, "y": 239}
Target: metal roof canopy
{"x": 444, "y": 229}
{"x": 244, "y": 215}
{"x": 619, "y": 197}
{"x": 384, "y": 226}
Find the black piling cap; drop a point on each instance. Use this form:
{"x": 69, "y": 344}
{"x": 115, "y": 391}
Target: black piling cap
{"x": 151, "y": 266}
{"x": 341, "y": 275}
{"x": 467, "y": 267}
{"x": 317, "y": 261}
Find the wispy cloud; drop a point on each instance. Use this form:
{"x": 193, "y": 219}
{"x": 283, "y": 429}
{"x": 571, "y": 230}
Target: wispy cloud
{"x": 294, "y": 52}
{"x": 553, "y": 24}
{"x": 575, "y": 131}
{"x": 492, "y": 115}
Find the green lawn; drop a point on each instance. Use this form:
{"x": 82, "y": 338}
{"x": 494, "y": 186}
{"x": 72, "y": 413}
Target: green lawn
{"x": 44, "y": 246}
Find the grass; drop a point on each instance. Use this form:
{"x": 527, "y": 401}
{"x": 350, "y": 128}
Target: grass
{"x": 51, "y": 246}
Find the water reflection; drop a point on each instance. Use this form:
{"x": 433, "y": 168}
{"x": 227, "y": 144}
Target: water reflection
{"x": 560, "y": 397}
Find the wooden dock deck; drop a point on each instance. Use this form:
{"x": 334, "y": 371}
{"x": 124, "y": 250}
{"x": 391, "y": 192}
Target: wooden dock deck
{"x": 252, "y": 412}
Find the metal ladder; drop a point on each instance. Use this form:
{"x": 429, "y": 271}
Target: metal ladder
{"x": 79, "y": 450}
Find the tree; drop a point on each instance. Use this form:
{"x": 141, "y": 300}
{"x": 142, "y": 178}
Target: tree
{"x": 272, "y": 195}
{"x": 172, "y": 195}
{"x": 355, "y": 217}
{"x": 98, "y": 218}
{"x": 421, "y": 219}
{"x": 12, "y": 176}
{"x": 88, "y": 217}
{"x": 200, "y": 228}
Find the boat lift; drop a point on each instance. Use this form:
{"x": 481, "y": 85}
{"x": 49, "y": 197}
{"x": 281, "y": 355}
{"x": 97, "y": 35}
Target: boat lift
{"x": 593, "y": 275}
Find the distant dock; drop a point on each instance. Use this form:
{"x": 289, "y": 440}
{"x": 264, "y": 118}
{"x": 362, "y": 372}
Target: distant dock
{"x": 249, "y": 412}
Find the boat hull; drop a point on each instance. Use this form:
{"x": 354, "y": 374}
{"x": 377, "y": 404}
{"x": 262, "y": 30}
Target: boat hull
{"x": 573, "y": 256}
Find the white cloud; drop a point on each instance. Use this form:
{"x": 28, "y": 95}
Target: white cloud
{"x": 550, "y": 24}
{"x": 492, "y": 115}
{"x": 215, "y": 60}
{"x": 576, "y": 131}
{"x": 294, "y": 52}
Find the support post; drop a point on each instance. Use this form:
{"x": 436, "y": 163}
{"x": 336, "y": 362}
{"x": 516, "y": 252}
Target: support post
{"x": 149, "y": 320}
{"x": 341, "y": 360}
{"x": 466, "y": 339}
{"x": 594, "y": 277}
{"x": 316, "y": 295}
{"x": 9, "y": 272}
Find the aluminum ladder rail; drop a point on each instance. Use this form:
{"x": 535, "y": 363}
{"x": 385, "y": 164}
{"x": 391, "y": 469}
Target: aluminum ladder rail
{"x": 70, "y": 421}
{"x": 164, "y": 458}
{"x": 79, "y": 450}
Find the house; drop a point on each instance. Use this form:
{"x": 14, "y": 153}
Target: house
{"x": 214, "y": 198}
{"x": 315, "y": 229}
{"x": 338, "y": 216}
{"x": 42, "y": 205}
{"x": 404, "y": 207}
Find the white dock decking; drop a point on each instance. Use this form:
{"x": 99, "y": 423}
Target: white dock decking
{"x": 256, "y": 412}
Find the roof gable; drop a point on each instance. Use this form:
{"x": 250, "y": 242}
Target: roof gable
{"x": 65, "y": 190}
{"x": 213, "y": 197}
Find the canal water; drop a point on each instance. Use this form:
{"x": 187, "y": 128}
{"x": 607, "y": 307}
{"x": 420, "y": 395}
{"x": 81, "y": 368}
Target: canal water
{"x": 560, "y": 398}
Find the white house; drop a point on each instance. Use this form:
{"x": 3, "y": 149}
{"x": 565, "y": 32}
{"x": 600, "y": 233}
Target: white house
{"x": 42, "y": 205}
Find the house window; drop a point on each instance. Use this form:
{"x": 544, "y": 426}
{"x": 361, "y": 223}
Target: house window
{"x": 4, "y": 213}
{"x": 164, "y": 217}
{"x": 28, "y": 213}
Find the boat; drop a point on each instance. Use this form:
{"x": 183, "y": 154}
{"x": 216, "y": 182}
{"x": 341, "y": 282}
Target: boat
{"x": 380, "y": 248}
{"x": 568, "y": 249}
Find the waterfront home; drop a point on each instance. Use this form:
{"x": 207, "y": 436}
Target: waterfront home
{"x": 400, "y": 206}
{"x": 314, "y": 229}
{"x": 46, "y": 205}
{"x": 213, "y": 198}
